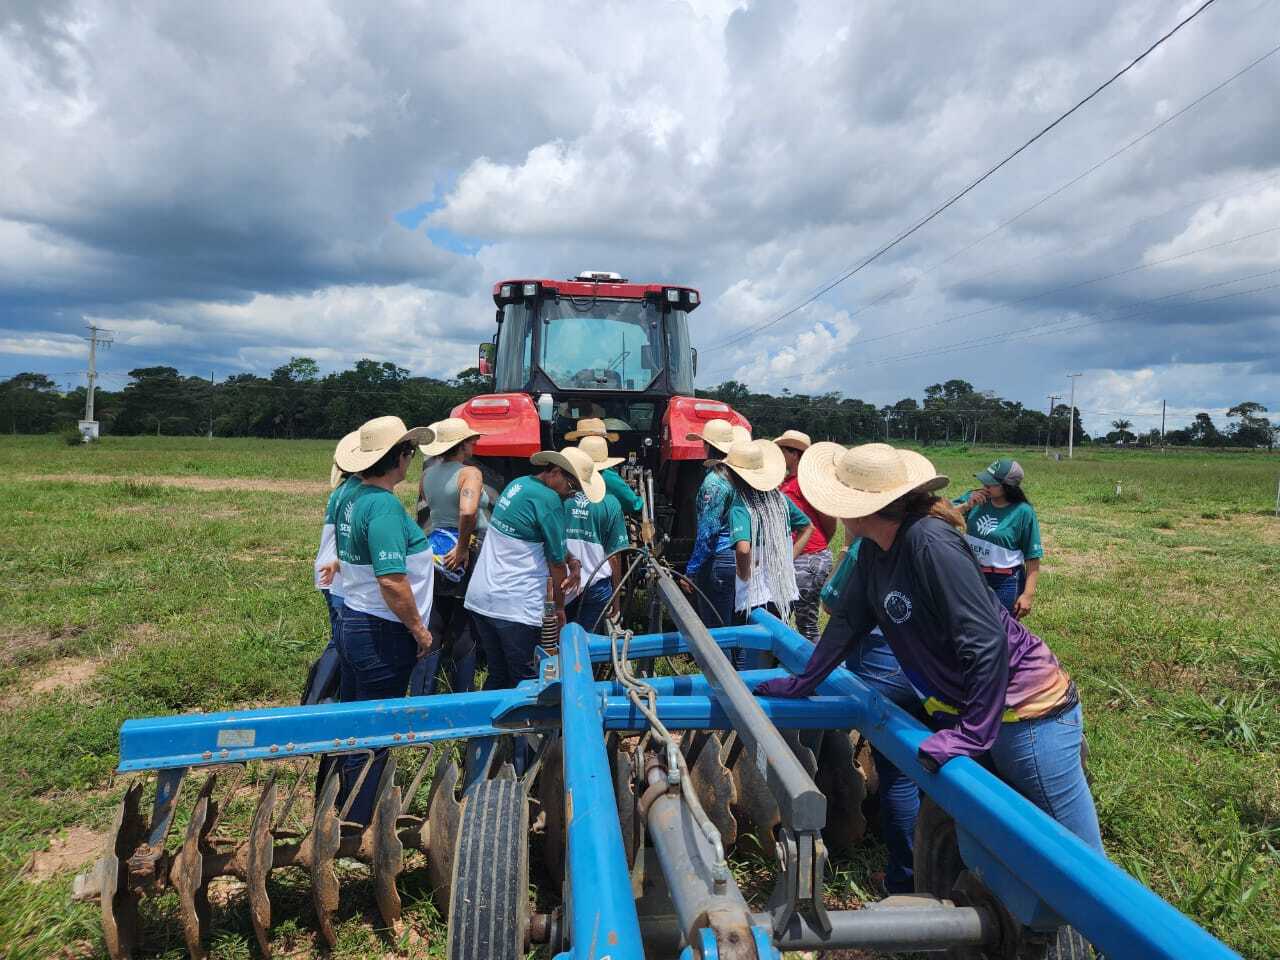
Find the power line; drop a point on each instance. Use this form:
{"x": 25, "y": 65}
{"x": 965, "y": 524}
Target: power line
{"x": 1009, "y": 304}
{"x": 975, "y": 183}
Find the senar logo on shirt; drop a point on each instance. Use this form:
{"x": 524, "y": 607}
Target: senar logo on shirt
{"x": 986, "y": 525}
{"x": 898, "y": 606}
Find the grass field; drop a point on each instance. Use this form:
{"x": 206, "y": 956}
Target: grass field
{"x": 147, "y": 576}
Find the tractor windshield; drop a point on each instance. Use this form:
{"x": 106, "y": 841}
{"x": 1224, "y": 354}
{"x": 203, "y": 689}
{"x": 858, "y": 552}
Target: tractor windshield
{"x": 592, "y": 344}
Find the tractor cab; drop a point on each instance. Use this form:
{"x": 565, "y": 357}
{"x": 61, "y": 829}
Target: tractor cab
{"x": 598, "y": 346}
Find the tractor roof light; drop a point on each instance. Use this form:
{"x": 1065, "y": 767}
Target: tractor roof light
{"x": 530, "y": 289}
{"x": 693, "y": 297}
{"x": 600, "y": 276}
{"x": 505, "y": 291}
{"x": 673, "y": 295}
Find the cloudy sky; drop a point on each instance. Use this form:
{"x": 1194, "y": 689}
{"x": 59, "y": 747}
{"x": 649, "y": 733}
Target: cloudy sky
{"x": 225, "y": 185}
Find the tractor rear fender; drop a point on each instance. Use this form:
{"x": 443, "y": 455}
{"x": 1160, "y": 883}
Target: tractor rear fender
{"x": 686, "y": 415}
{"x": 508, "y": 421}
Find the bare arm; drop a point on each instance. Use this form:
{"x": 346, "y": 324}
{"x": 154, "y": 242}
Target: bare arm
{"x": 1022, "y": 606}
{"x": 559, "y": 578}
{"x": 742, "y": 557}
{"x": 398, "y": 596}
{"x": 470, "y": 484}
{"x": 797, "y": 548}
{"x": 827, "y": 525}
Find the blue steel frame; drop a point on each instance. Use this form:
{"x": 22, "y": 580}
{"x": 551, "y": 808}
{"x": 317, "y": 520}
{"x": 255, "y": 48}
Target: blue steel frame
{"x": 1040, "y": 871}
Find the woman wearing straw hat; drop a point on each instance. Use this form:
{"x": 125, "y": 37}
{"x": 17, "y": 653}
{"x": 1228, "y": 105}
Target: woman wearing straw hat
{"x": 1004, "y": 534}
{"x": 988, "y": 684}
{"x": 711, "y": 566}
{"x": 764, "y": 521}
{"x": 526, "y": 544}
{"x": 594, "y": 437}
{"x": 453, "y": 497}
{"x": 813, "y": 555}
{"x": 387, "y": 574}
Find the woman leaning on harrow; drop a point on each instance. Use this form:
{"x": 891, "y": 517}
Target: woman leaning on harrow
{"x": 988, "y": 685}
{"x": 387, "y": 579}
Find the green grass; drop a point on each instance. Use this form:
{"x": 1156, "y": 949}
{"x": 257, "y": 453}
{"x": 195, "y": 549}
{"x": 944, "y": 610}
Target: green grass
{"x": 1162, "y": 602}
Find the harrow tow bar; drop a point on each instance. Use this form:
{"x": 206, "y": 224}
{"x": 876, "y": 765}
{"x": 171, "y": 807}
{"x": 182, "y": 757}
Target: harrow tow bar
{"x": 801, "y": 806}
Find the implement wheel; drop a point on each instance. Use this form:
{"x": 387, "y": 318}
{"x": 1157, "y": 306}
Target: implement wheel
{"x": 489, "y": 908}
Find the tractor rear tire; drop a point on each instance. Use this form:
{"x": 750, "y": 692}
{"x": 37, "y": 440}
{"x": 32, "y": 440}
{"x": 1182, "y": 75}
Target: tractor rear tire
{"x": 489, "y": 906}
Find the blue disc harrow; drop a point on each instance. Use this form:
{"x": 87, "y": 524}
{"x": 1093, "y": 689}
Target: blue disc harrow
{"x": 632, "y": 792}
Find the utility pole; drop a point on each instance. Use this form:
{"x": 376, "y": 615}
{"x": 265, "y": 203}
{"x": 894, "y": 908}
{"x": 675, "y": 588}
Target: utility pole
{"x": 1071, "y": 427}
{"x": 1048, "y": 434}
{"x": 886, "y": 428}
{"x": 210, "y": 404}
{"x": 89, "y": 427}
{"x": 1164, "y": 404}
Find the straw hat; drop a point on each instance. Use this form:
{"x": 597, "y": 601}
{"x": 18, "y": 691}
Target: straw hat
{"x": 449, "y": 433}
{"x": 858, "y": 481}
{"x": 362, "y": 448}
{"x": 578, "y": 463}
{"x": 721, "y": 434}
{"x": 759, "y": 462}
{"x": 591, "y": 427}
{"x": 335, "y": 476}
{"x": 795, "y": 440}
{"x": 597, "y": 448}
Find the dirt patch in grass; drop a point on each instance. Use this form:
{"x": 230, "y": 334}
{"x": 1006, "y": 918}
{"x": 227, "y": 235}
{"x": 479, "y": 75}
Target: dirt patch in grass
{"x": 78, "y": 847}
{"x": 189, "y": 483}
{"x": 67, "y": 675}
{"x": 22, "y": 644}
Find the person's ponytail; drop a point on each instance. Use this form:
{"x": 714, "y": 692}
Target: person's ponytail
{"x": 921, "y": 503}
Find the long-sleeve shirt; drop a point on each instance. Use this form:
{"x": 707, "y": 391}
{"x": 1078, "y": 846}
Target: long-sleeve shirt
{"x": 627, "y": 498}
{"x": 972, "y": 665}
{"x": 712, "y": 535}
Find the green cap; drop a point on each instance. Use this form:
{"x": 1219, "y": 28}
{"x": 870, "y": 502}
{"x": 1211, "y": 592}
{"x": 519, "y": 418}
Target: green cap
{"x": 1003, "y": 470}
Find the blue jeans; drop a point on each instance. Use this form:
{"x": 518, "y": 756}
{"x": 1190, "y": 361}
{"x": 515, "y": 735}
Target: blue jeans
{"x": 1006, "y": 586}
{"x": 377, "y": 658}
{"x": 1041, "y": 760}
{"x": 875, "y": 665}
{"x": 323, "y": 678}
{"x": 717, "y": 580}
{"x": 588, "y": 605}
{"x": 509, "y": 648}
{"x": 451, "y": 626}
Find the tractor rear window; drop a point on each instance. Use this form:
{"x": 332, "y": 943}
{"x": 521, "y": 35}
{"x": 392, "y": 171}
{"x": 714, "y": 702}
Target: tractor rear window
{"x": 592, "y": 344}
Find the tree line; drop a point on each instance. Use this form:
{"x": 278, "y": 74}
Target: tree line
{"x": 295, "y": 401}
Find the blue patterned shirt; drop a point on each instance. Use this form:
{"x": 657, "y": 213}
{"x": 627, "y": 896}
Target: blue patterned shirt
{"x": 713, "y": 534}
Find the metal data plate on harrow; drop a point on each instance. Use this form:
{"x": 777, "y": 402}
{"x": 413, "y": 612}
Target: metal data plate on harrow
{"x": 641, "y": 788}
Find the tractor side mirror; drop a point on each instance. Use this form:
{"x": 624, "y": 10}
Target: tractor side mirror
{"x": 694, "y": 350}
{"x": 486, "y": 357}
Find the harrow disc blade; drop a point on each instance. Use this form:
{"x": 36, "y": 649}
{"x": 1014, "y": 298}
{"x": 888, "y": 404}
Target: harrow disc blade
{"x": 118, "y": 903}
{"x": 715, "y": 789}
{"x": 260, "y": 859}
{"x": 388, "y": 851}
{"x": 444, "y": 815}
{"x": 755, "y": 810}
{"x": 624, "y": 776}
{"x": 840, "y": 779}
{"x": 188, "y": 874}
{"x": 326, "y": 838}
{"x": 550, "y": 788}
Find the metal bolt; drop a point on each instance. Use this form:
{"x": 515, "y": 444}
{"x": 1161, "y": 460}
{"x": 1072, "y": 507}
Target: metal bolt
{"x": 207, "y": 755}
{"x": 225, "y": 753}
{"x": 337, "y": 742}
{"x": 289, "y": 746}
{"x": 396, "y": 738}
{"x": 410, "y": 735}
{"x": 351, "y": 741}
{"x": 274, "y": 748}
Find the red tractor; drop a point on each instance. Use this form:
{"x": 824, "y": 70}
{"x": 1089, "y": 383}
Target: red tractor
{"x": 598, "y": 346}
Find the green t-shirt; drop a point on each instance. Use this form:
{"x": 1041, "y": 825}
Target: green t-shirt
{"x": 531, "y": 511}
{"x": 377, "y": 538}
{"x": 628, "y": 499}
{"x": 593, "y": 532}
{"x": 740, "y": 519}
{"x": 328, "y": 551}
{"x": 835, "y": 587}
{"x": 1003, "y": 537}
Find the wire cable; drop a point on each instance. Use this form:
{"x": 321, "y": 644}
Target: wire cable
{"x": 975, "y": 183}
